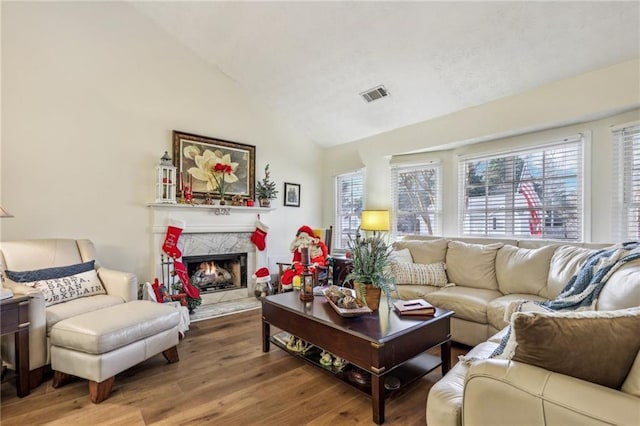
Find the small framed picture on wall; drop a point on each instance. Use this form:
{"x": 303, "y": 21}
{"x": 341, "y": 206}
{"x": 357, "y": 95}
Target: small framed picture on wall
{"x": 292, "y": 194}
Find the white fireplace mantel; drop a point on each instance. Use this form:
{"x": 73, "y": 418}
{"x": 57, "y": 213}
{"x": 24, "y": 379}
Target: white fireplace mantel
{"x": 209, "y": 229}
{"x": 202, "y": 218}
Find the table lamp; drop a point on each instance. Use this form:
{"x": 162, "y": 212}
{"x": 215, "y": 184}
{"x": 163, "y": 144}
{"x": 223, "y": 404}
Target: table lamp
{"x": 4, "y": 213}
{"x": 374, "y": 220}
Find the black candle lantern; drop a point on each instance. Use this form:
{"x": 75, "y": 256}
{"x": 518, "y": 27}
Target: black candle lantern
{"x": 307, "y": 277}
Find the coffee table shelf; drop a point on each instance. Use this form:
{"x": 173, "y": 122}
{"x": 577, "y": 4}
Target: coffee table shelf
{"x": 407, "y": 373}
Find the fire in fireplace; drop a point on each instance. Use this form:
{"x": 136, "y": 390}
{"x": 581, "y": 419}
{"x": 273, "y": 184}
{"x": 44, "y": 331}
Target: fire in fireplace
{"x": 217, "y": 272}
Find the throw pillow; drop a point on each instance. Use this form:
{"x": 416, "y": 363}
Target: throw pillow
{"x": 472, "y": 265}
{"x": 424, "y": 251}
{"x": 521, "y": 270}
{"x": 417, "y": 273}
{"x": 49, "y": 273}
{"x": 565, "y": 263}
{"x": 401, "y": 256}
{"x": 57, "y": 289}
{"x": 596, "y": 346}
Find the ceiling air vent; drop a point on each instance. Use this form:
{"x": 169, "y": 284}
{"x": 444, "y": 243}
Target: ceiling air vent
{"x": 375, "y": 93}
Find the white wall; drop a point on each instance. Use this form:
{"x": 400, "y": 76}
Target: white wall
{"x": 92, "y": 91}
{"x": 602, "y": 93}
{"x": 91, "y": 94}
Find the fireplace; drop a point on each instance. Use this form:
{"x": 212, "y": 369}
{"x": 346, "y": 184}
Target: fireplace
{"x": 217, "y": 272}
{"x": 211, "y": 233}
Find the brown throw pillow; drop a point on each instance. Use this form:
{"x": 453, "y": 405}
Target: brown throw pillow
{"x": 597, "y": 346}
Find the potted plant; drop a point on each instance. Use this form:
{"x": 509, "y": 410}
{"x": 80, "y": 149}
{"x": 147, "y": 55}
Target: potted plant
{"x": 370, "y": 270}
{"x": 266, "y": 189}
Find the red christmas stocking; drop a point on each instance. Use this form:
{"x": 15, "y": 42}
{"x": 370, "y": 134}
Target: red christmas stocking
{"x": 182, "y": 274}
{"x": 170, "y": 245}
{"x": 259, "y": 235}
{"x": 156, "y": 290}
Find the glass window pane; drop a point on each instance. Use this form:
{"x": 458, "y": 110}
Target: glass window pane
{"x": 416, "y": 199}
{"x": 533, "y": 194}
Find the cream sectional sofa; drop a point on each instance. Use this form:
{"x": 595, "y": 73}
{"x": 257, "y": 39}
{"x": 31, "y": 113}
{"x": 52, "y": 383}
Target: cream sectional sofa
{"x": 490, "y": 276}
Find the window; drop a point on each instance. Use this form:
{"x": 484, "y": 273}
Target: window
{"x": 526, "y": 194}
{"x": 627, "y": 193}
{"x": 416, "y": 205}
{"x": 349, "y": 201}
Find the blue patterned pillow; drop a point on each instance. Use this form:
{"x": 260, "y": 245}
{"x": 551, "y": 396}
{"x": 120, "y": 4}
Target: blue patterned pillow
{"x": 49, "y": 273}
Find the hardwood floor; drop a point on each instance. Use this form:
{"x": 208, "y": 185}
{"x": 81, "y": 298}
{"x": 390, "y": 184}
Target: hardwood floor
{"x": 223, "y": 378}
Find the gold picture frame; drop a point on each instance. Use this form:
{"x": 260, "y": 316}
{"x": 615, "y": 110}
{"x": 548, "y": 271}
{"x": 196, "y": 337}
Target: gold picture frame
{"x": 192, "y": 152}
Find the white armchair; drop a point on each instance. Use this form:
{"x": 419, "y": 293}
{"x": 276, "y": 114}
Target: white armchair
{"x": 30, "y": 255}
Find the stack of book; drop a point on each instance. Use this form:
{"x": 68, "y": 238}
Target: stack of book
{"x": 414, "y": 307}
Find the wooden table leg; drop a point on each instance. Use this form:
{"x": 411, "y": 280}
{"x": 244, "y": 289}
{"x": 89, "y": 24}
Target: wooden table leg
{"x": 22, "y": 361}
{"x": 445, "y": 351}
{"x": 266, "y": 330}
{"x": 377, "y": 399}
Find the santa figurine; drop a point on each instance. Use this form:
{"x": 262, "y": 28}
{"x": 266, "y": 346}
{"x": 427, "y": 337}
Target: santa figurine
{"x": 263, "y": 283}
{"x": 318, "y": 252}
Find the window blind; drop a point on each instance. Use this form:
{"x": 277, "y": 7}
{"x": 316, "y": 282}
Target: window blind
{"x": 535, "y": 193}
{"x": 416, "y": 199}
{"x": 349, "y": 192}
{"x": 626, "y": 202}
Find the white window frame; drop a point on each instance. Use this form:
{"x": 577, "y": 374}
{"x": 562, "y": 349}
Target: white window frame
{"x": 582, "y": 141}
{"x": 337, "y": 227}
{"x": 626, "y": 141}
{"x": 435, "y": 212}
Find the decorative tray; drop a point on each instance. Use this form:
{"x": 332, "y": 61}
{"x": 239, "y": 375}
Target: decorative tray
{"x": 347, "y": 312}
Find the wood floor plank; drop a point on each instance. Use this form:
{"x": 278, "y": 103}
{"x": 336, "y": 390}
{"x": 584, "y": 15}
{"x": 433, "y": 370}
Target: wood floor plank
{"x": 223, "y": 377}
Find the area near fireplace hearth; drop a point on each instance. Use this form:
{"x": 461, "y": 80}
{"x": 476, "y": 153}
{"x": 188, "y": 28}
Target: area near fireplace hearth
{"x": 216, "y": 247}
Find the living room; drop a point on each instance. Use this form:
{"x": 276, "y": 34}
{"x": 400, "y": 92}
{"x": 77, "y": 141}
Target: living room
{"x": 91, "y": 93}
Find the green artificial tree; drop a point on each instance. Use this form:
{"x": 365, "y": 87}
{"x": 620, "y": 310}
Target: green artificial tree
{"x": 266, "y": 189}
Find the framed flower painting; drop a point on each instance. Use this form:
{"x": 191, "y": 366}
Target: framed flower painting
{"x": 214, "y": 166}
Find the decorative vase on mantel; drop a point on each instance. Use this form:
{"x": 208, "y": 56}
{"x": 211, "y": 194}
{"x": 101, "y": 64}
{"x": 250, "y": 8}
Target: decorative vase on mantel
{"x": 265, "y": 202}
{"x": 222, "y": 202}
{"x": 369, "y": 293}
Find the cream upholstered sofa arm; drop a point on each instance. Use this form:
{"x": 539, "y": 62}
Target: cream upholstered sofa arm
{"x": 118, "y": 283}
{"x": 502, "y": 392}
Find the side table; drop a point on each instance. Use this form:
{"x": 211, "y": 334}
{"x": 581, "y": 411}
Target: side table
{"x": 14, "y": 319}
{"x": 341, "y": 267}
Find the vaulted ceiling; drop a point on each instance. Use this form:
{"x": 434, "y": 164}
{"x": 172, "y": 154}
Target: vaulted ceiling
{"x": 309, "y": 61}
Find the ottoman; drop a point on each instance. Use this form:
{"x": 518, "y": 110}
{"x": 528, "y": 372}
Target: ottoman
{"x": 100, "y": 344}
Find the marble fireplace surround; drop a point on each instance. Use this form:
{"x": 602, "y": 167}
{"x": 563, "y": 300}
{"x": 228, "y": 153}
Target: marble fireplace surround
{"x": 210, "y": 230}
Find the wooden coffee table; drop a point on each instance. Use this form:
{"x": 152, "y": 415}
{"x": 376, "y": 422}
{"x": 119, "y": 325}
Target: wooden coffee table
{"x": 381, "y": 347}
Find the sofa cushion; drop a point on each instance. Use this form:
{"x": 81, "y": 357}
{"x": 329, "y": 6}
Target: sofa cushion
{"x": 631, "y": 384}
{"x": 472, "y": 265}
{"x": 72, "y": 308}
{"x": 468, "y": 303}
{"x": 622, "y": 291}
{"x": 410, "y": 291}
{"x": 498, "y": 307}
{"x": 420, "y": 274}
{"x": 423, "y": 251}
{"x": 597, "y": 346}
{"x": 565, "y": 263}
{"x": 521, "y": 270}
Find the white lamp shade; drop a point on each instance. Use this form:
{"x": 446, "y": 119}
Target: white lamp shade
{"x": 4, "y": 213}
{"x": 374, "y": 220}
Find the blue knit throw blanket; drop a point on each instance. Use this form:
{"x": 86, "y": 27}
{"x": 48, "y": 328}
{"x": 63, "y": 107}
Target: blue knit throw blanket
{"x": 582, "y": 290}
